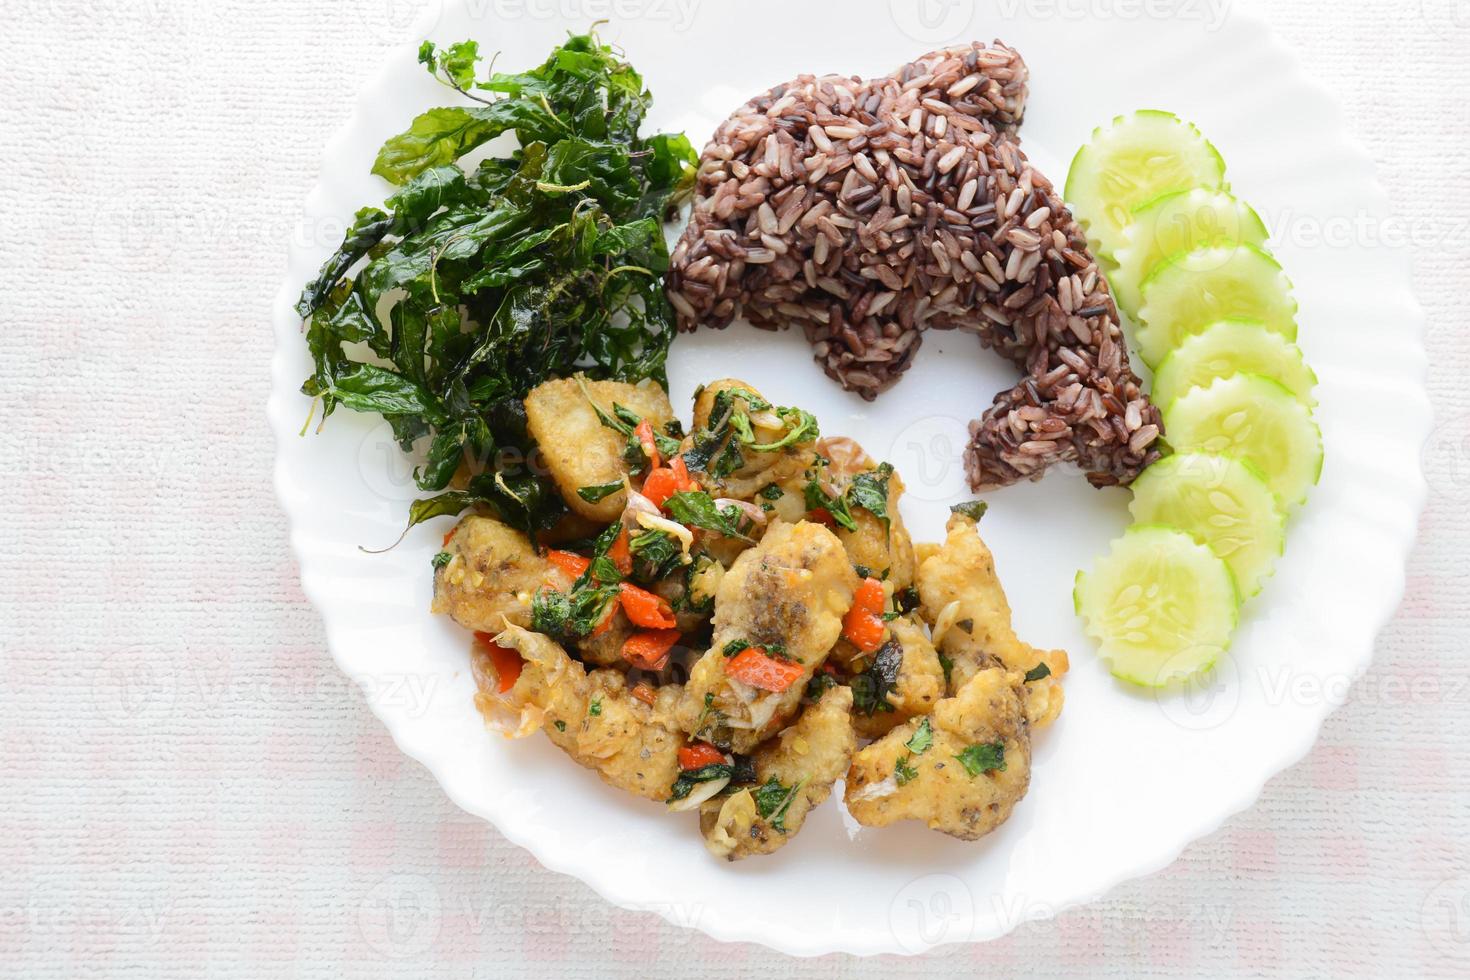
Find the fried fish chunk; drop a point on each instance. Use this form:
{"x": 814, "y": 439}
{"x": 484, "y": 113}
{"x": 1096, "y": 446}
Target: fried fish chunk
{"x": 794, "y": 773}
{"x": 963, "y": 600}
{"x": 901, "y": 680}
{"x": 788, "y": 593}
{"x": 960, "y": 770}
{"x": 491, "y": 576}
{"x": 756, "y": 469}
{"x": 592, "y": 717}
{"x": 882, "y": 547}
{"x": 579, "y": 451}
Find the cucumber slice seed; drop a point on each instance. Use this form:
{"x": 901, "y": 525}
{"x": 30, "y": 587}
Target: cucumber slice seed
{"x": 1172, "y": 225}
{"x": 1233, "y": 347}
{"x": 1224, "y": 503}
{"x": 1136, "y": 159}
{"x": 1189, "y": 292}
{"x": 1161, "y": 606}
{"x": 1254, "y": 419}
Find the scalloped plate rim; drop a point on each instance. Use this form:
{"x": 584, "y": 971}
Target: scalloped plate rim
{"x": 1410, "y": 487}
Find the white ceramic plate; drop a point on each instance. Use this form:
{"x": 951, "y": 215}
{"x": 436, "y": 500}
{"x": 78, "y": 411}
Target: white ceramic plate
{"x": 1124, "y": 781}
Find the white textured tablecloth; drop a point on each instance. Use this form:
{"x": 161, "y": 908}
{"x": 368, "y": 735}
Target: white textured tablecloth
{"x": 188, "y": 786}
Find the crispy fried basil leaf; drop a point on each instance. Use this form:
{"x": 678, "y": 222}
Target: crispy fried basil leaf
{"x": 695, "y": 508}
{"x": 470, "y": 286}
{"x": 688, "y": 779}
{"x": 870, "y": 688}
{"x": 772, "y": 800}
{"x": 869, "y": 491}
{"x": 598, "y": 491}
{"x": 973, "y": 509}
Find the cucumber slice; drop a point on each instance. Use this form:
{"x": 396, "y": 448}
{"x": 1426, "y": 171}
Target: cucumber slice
{"x": 1225, "y": 503}
{"x": 1233, "y": 347}
{"x": 1174, "y": 224}
{"x": 1254, "y": 419}
{"x": 1160, "y": 605}
{"x": 1135, "y": 159}
{"x": 1189, "y": 292}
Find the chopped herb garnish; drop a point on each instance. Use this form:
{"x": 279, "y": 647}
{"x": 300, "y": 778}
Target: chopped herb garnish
{"x": 604, "y": 570}
{"x": 735, "y": 646}
{"x": 772, "y": 492}
{"x": 595, "y": 708}
{"x": 984, "y": 757}
{"x": 442, "y": 558}
{"x": 561, "y": 726}
{"x": 743, "y": 770}
{"x": 946, "y": 665}
{"x": 572, "y": 614}
{"x": 702, "y": 600}
{"x": 870, "y": 688}
{"x": 598, "y": 491}
{"x": 1038, "y": 672}
{"x": 728, "y": 461}
{"x": 695, "y": 508}
{"x": 906, "y": 600}
{"x": 820, "y": 684}
{"x": 686, "y": 781}
{"x": 772, "y": 800}
{"x": 973, "y": 509}
{"x": 870, "y": 492}
{"x": 801, "y": 426}
{"x": 903, "y": 772}
{"x": 603, "y": 543}
{"x": 655, "y": 554}
{"x": 625, "y": 421}
{"x": 923, "y": 738}
{"x": 819, "y": 499}
{"x": 701, "y": 724}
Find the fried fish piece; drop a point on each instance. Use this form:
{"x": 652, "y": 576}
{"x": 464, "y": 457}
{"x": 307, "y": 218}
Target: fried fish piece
{"x": 756, "y": 469}
{"x": 901, "y": 680}
{"x": 881, "y": 546}
{"x": 578, "y": 450}
{"x": 961, "y": 770}
{"x": 794, "y": 773}
{"x": 884, "y": 549}
{"x": 962, "y": 599}
{"x": 592, "y": 717}
{"x": 491, "y": 575}
{"x": 788, "y": 593}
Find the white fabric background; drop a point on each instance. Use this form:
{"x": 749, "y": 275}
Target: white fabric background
{"x": 188, "y": 787}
